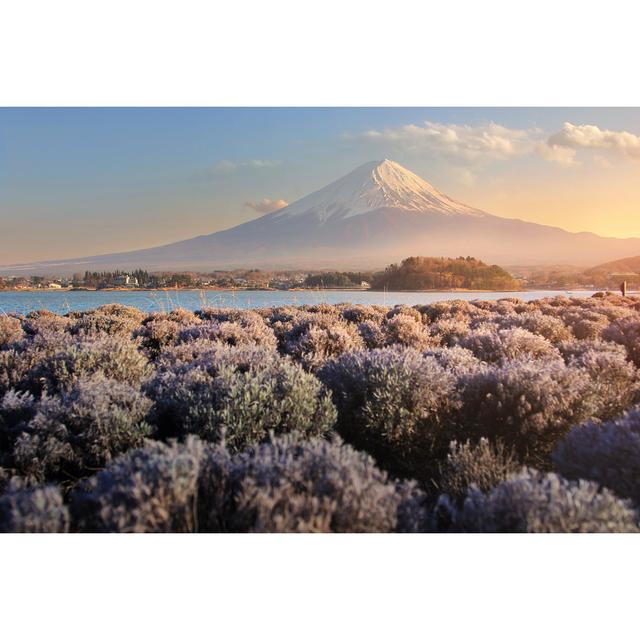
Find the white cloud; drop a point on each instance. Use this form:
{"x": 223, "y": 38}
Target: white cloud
{"x": 266, "y": 205}
{"x": 558, "y": 154}
{"x": 471, "y": 144}
{"x": 589, "y": 136}
{"x": 458, "y": 142}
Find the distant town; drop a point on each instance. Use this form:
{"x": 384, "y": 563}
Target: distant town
{"x": 417, "y": 273}
{"x": 252, "y": 279}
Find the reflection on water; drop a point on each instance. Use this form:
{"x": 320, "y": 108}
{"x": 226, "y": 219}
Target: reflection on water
{"x": 65, "y": 301}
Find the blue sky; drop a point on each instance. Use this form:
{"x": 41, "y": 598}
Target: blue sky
{"x": 76, "y": 182}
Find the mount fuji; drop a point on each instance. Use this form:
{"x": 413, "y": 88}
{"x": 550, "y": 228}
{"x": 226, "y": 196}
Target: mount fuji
{"x": 378, "y": 213}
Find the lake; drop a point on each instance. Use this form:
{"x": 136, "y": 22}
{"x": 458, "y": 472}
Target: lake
{"x": 64, "y": 301}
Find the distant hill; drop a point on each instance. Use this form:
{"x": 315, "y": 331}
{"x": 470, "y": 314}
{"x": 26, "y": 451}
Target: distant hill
{"x": 624, "y": 266}
{"x": 444, "y": 273}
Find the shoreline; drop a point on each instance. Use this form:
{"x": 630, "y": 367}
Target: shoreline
{"x": 297, "y": 290}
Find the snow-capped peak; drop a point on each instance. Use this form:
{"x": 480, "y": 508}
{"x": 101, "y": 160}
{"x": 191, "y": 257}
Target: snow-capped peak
{"x": 375, "y": 185}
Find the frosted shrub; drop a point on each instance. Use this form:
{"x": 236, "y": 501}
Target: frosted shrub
{"x": 297, "y": 485}
{"x": 16, "y": 410}
{"x": 372, "y": 334}
{"x": 112, "y": 357}
{"x": 242, "y": 400}
{"x": 186, "y": 353}
{"x": 160, "y": 330}
{"x": 447, "y": 310}
{"x": 393, "y": 403}
{"x": 314, "y": 340}
{"x": 10, "y": 330}
{"x": 586, "y": 325}
{"x": 508, "y": 344}
{"x": 79, "y": 430}
{"x": 17, "y": 362}
{"x": 404, "y": 310}
{"x": 157, "y": 332}
{"x": 483, "y": 465}
{"x": 457, "y": 360}
{"x": 553, "y": 329}
{"x": 234, "y": 333}
{"x": 99, "y": 324}
{"x": 405, "y": 330}
{"x": 626, "y": 333}
{"x": 615, "y": 380}
{"x": 608, "y": 453}
{"x": 533, "y": 502}
{"x": 13, "y": 366}
{"x": 122, "y": 311}
{"x": 37, "y": 322}
{"x": 448, "y": 331}
{"x": 529, "y": 405}
{"x": 148, "y": 490}
{"x": 359, "y": 313}
{"x": 26, "y": 509}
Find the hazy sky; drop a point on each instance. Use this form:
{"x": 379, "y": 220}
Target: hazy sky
{"x": 78, "y": 182}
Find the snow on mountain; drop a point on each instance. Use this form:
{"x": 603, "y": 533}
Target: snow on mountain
{"x": 375, "y": 185}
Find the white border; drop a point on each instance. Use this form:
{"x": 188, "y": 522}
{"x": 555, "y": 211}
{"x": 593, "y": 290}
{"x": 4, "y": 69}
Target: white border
{"x": 329, "y": 586}
{"x": 333, "y": 52}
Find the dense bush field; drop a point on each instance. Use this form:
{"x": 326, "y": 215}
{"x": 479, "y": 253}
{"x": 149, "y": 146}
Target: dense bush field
{"x": 503, "y": 416}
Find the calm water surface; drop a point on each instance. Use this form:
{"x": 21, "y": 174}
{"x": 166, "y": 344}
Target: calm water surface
{"x": 65, "y": 301}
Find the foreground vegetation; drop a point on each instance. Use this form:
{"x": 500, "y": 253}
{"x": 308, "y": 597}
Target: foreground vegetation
{"x": 485, "y": 416}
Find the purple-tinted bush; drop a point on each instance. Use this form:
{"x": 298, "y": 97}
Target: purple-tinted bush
{"x": 449, "y": 332}
{"x": 96, "y": 324}
{"x": 293, "y": 484}
{"x": 586, "y": 325}
{"x": 549, "y": 327}
{"x": 457, "y": 360}
{"x": 607, "y": 453}
{"x": 234, "y": 333}
{"x": 533, "y": 502}
{"x": 372, "y": 334}
{"x": 405, "y": 310}
{"x": 10, "y": 330}
{"x": 359, "y": 313}
{"x": 25, "y": 509}
{"x": 627, "y": 333}
{"x": 508, "y": 344}
{"x": 78, "y": 430}
{"x": 148, "y": 490}
{"x": 43, "y": 321}
{"x": 394, "y": 403}
{"x": 122, "y": 311}
{"x": 243, "y": 394}
{"x": 17, "y": 362}
{"x": 160, "y": 330}
{"x": 615, "y": 381}
{"x": 112, "y": 357}
{"x": 314, "y": 340}
{"x": 529, "y": 405}
{"x": 405, "y": 330}
{"x": 483, "y": 465}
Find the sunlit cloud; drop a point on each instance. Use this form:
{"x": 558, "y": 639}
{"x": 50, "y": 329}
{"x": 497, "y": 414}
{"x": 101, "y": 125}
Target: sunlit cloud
{"x": 266, "y": 205}
{"x": 470, "y": 144}
{"x": 458, "y": 142}
{"x": 589, "y": 136}
{"x": 555, "y": 153}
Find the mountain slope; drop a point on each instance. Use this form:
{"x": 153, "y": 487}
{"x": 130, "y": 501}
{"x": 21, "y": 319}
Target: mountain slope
{"x": 626, "y": 265}
{"x": 378, "y": 213}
